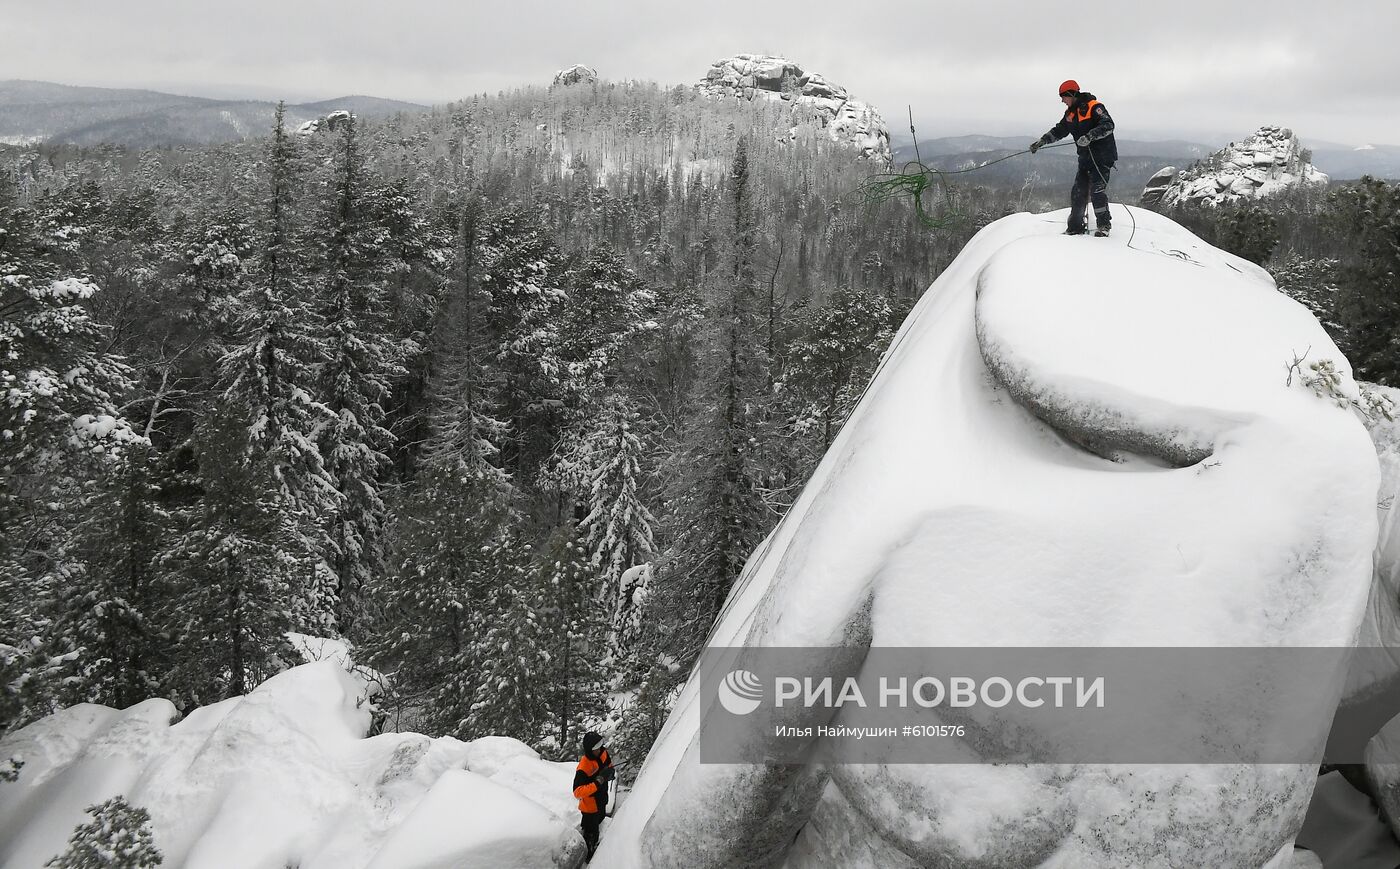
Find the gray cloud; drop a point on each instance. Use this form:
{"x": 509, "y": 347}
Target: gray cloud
{"x": 1191, "y": 68}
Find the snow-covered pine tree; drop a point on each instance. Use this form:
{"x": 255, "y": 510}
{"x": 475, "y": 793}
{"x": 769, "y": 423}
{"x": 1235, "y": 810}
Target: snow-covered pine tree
{"x": 109, "y": 613}
{"x": 609, "y": 311}
{"x": 57, "y": 422}
{"x": 463, "y": 415}
{"x": 455, "y": 559}
{"x": 234, "y": 572}
{"x": 269, "y": 379}
{"x": 251, "y": 559}
{"x": 719, "y": 512}
{"x": 617, "y": 527}
{"x": 445, "y": 605}
{"x": 355, "y": 381}
{"x": 519, "y": 275}
{"x": 830, "y": 360}
{"x": 1368, "y": 302}
{"x": 118, "y": 837}
{"x": 566, "y": 668}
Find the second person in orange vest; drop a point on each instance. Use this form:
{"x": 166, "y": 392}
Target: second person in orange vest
{"x": 1089, "y": 123}
{"x": 591, "y": 777}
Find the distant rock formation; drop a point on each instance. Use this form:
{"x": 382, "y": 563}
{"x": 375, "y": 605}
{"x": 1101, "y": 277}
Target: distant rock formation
{"x": 331, "y": 122}
{"x": 1157, "y": 185}
{"x": 576, "y": 74}
{"x": 755, "y": 76}
{"x": 1267, "y": 163}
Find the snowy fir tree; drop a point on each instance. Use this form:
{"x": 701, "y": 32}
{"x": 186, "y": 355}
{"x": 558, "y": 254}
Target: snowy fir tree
{"x": 721, "y": 515}
{"x": 235, "y": 573}
{"x": 829, "y": 360}
{"x": 362, "y": 361}
{"x": 267, "y": 384}
{"x": 605, "y": 466}
{"x": 58, "y": 427}
{"x": 108, "y": 614}
{"x": 1368, "y": 302}
{"x": 118, "y": 837}
{"x": 573, "y": 636}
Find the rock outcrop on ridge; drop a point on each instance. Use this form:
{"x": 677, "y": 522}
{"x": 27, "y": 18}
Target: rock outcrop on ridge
{"x": 1265, "y": 164}
{"x": 1047, "y": 462}
{"x": 761, "y": 76}
{"x": 332, "y": 121}
{"x": 576, "y": 74}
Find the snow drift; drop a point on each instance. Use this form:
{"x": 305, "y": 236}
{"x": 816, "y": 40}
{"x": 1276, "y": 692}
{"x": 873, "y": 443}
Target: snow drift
{"x": 284, "y": 777}
{"x": 1071, "y": 442}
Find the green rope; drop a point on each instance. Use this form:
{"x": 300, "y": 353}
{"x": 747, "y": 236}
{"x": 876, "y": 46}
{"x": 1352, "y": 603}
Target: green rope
{"x": 915, "y": 178}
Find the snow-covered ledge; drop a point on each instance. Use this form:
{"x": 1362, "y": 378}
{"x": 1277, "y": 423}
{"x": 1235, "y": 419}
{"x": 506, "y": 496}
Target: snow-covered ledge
{"x": 284, "y": 776}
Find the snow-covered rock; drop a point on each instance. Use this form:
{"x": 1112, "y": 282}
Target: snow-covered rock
{"x": 812, "y": 96}
{"x": 332, "y": 122}
{"x": 1265, "y": 164}
{"x": 948, "y": 513}
{"x": 1157, "y": 185}
{"x": 284, "y": 776}
{"x": 576, "y": 74}
{"x": 469, "y": 822}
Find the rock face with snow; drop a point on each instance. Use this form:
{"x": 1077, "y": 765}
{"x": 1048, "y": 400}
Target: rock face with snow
{"x": 761, "y": 76}
{"x": 1044, "y": 461}
{"x": 333, "y": 121}
{"x": 285, "y": 777}
{"x": 1265, "y": 164}
{"x": 1157, "y": 185}
{"x": 576, "y": 74}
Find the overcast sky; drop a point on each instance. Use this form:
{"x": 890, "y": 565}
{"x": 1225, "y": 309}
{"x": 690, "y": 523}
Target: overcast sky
{"x": 1192, "y": 68}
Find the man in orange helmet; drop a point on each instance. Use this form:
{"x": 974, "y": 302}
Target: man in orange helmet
{"x": 1088, "y": 122}
{"x": 591, "y": 777}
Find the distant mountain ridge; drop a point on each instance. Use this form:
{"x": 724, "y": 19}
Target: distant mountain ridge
{"x": 36, "y": 111}
{"x": 1338, "y": 161}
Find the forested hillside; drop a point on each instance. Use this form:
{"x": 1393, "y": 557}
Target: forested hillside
{"x": 504, "y": 394}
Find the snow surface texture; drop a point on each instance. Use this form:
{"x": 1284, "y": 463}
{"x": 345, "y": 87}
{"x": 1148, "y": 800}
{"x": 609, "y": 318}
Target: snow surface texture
{"x": 1265, "y": 164}
{"x": 948, "y": 513}
{"x": 750, "y": 76}
{"x": 284, "y": 777}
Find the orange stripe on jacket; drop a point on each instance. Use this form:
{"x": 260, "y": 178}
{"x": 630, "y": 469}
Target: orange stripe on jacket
{"x": 1081, "y": 116}
{"x": 584, "y": 792}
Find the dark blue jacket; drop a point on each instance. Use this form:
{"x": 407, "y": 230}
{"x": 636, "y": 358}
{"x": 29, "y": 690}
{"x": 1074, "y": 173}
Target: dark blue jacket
{"x": 1087, "y": 117}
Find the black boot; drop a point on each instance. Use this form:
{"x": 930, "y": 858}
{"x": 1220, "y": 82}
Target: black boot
{"x": 1102, "y": 232}
{"x": 1076, "y": 230}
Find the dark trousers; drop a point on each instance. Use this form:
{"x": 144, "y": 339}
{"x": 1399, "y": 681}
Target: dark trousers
{"x": 1090, "y": 184}
{"x": 590, "y": 824}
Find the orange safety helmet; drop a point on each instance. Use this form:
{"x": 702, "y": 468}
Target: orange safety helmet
{"x": 1067, "y": 86}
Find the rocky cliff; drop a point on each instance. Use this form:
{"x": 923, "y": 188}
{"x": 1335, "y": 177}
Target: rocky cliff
{"x": 811, "y": 95}
{"x": 1265, "y": 164}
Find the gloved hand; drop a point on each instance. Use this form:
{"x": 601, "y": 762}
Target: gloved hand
{"x": 1035, "y": 146}
{"x": 1082, "y": 141}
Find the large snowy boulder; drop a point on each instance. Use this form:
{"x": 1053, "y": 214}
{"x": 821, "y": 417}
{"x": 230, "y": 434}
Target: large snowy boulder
{"x": 576, "y": 74}
{"x": 285, "y": 777}
{"x": 1267, "y": 163}
{"x": 811, "y": 96}
{"x": 1072, "y": 442}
